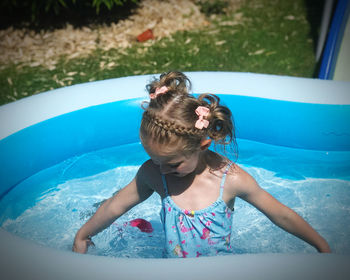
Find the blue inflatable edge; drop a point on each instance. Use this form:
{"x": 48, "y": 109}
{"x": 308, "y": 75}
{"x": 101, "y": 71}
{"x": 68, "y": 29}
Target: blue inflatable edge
{"x": 334, "y": 39}
{"x": 296, "y": 125}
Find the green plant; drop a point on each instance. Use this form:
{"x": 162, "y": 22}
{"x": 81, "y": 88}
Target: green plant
{"x": 209, "y": 7}
{"x": 35, "y": 7}
{"x": 109, "y": 3}
{"x": 57, "y": 7}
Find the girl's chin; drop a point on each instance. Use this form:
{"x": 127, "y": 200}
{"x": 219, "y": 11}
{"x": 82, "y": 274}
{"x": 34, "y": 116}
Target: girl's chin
{"x": 176, "y": 174}
{"x": 180, "y": 175}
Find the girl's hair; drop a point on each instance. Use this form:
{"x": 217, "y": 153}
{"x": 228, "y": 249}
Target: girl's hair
{"x": 170, "y": 116}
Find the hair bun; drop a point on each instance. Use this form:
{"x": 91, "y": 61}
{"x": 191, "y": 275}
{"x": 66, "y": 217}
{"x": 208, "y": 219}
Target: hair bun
{"x": 176, "y": 82}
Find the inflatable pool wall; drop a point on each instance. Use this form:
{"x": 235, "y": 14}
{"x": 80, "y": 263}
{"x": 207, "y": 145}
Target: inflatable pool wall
{"x": 335, "y": 64}
{"x": 42, "y": 130}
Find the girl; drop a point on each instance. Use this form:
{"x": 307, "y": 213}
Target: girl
{"x": 197, "y": 186}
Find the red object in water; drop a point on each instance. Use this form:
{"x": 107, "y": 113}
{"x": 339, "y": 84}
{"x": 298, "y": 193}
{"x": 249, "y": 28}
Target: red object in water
{"x": 147, "y": 35}
{"x": 142, "y": 224}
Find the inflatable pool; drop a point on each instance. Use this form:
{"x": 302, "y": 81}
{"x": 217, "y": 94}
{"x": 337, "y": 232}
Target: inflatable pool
{"x": 43, "y": 130}
{"x": 335, "y": 59}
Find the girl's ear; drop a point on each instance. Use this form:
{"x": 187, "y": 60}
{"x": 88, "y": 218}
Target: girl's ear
{"x": 205, "y": 144}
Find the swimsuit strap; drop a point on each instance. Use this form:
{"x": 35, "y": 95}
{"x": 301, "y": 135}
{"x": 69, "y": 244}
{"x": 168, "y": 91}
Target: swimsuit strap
{"x": 165, "y": 186}
{"x": 223, "y": 179}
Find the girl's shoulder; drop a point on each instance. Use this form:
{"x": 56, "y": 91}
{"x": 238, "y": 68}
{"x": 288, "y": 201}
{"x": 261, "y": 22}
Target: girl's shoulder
{"x": 238, "y": 181}
{"x": 237, "y": 174}
{"x": 149, "y": 175}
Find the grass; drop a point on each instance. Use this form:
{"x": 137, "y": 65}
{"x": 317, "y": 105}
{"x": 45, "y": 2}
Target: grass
{"x": 264, "y": 36}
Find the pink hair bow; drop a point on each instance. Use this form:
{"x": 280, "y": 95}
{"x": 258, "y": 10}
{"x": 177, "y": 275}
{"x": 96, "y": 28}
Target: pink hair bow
{"x": 158, "y": 91}
{"x": 202, "y": 112}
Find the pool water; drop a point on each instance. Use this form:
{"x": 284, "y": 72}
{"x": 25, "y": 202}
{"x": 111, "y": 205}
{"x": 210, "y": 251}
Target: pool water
{"x": 50, "y": 206}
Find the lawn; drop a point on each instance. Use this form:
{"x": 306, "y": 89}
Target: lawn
{"x": 262, "y": 36}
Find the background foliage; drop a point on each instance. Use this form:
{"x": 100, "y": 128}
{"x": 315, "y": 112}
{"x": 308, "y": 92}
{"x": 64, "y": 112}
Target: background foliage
{"x": 37, "y": 13}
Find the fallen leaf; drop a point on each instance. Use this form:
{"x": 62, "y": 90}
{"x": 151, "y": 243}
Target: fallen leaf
{"x": 289, "y": 17}
{"x": 258, "y": 52}
{"x": 219, "y": 43}
{"x": 71, "y": 73}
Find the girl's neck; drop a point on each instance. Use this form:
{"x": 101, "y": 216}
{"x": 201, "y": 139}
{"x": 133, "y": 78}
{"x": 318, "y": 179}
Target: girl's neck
{"x": 213, "y": 160}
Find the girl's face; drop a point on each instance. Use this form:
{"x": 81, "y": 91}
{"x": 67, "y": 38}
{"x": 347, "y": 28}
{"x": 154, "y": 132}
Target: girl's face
{"x": 171, "y": 163}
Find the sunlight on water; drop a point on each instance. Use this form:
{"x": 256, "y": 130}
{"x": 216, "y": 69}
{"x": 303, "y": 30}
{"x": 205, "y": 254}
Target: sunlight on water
{"x": 52, "y": 205}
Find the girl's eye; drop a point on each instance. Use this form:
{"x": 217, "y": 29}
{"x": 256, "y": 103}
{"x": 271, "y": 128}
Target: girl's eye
{"x": 174, "y": 165}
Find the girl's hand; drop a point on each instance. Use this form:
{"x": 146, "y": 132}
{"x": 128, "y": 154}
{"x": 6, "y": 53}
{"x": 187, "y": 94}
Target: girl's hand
{"x": 111, "y": 210}
{"x": 81, "y": 245}
{"x": 246, "y": 188}
{"x": 325, "y": 248}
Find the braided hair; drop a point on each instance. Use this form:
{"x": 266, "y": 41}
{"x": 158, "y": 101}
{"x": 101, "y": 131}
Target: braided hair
{"x": 170, "y": 117}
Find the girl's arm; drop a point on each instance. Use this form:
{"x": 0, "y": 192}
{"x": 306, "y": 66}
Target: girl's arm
{"x": 132, "y": 194}
{"x": 279, "y": 214}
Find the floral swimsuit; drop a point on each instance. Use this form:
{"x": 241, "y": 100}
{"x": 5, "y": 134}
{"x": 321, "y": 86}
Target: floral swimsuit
{"x": 205, "y": 232}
